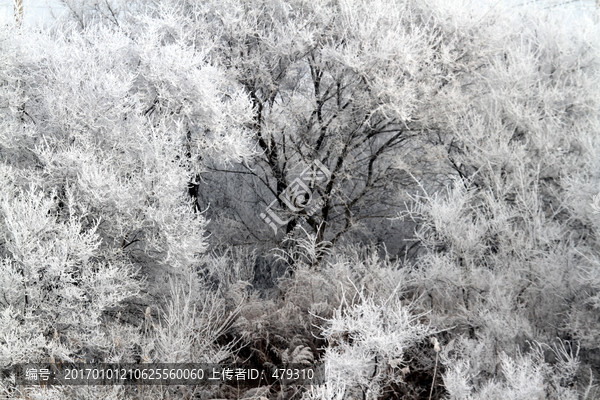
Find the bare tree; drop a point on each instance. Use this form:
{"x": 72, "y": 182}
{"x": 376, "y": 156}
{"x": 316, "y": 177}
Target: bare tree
{"x": 347, "y": 87}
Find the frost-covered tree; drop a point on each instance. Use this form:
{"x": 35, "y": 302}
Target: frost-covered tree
{"x": 510, "y": 249}
{"x": 100, "y": 135}
{"x": 112, "y": 13}
{"x": 347, "y": 84}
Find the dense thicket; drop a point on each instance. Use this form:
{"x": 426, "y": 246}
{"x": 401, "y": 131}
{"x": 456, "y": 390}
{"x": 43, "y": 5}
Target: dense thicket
{"x": 405, "y": 191}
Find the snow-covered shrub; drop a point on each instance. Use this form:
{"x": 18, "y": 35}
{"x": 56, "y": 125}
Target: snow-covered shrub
{"x": 367, "y": 341}
{"x": 521, "y": 377}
